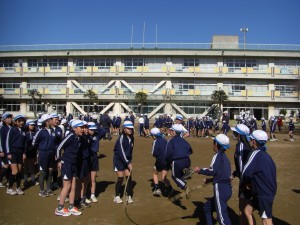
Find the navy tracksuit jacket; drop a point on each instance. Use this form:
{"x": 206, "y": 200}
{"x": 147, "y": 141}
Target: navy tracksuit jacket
{"x": 178, "y": 155}
{"x": 260, "y": 173}
{"x": 221, "y": 172}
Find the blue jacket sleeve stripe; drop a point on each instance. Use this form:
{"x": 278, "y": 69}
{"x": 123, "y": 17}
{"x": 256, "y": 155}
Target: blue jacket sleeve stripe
{"x": 35, "y": 137}
{"x": 7, "y": 141}
{"x": 122, "y": 149}
{"x": 250, "y": 160}
{"x": 61, "y": 145}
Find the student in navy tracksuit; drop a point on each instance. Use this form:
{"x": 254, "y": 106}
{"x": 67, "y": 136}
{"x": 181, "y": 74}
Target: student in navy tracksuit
{"x": 31, "y": 154}
{"x": 221, "y": 172}
{"x": 43, "y": 141}
{"x": 146, "y": 126}
{"x": 83, "y": 166}
{"x": 15, "y": 147}
{"x": 242, "y": 134}
{"x": 263, "y": 124}
{"x": 160, "y": 166}
{"x": 7, "y": 121}
{"x": 178, "y": 156}
{"x": 259, "y": 177}
{"x": 225, "y": 120}
{"x": 122, "y": 161}
{"x": 68, "y": 166}
{"x": 94, "y": 136}
{"x": 58, "y": 138}
{"x": 291, "y": 129}
{"x": 272, "y": 124}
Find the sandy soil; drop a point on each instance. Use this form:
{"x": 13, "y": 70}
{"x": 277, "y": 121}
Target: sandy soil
{"x": 146, "y": 209}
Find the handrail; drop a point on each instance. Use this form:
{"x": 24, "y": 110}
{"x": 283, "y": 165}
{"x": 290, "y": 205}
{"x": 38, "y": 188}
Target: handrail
{"x": 151, "y": 46}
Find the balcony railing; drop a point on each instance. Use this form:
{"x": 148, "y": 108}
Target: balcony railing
{"x": 149, "y": 46}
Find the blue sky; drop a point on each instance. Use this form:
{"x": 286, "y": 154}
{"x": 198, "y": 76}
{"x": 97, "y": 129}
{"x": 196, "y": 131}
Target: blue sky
{"x": 111, "y": 21}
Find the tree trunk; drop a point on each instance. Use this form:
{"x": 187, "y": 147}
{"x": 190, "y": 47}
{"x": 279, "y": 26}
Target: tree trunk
{"x": 34, "y": 108}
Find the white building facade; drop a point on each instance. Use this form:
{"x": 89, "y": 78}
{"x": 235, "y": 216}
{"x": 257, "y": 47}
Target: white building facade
{"x": 177, "y": 78}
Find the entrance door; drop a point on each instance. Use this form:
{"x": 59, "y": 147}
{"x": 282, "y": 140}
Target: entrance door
{"x": 257, "y": 113}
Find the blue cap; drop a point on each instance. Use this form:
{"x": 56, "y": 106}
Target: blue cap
{"x": 77, "y": 123}
{"x": 179, "y": 117}
{"x": 127, "y": 124}
{"x": 20, "y": 116}
{"x": 5, "y": 115}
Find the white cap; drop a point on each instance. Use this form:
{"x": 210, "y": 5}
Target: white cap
{"x": 259, "y": 136}
{"x": 77, "y": 123}
{"x": 223, "y": 140}
{"x": 225, "y": 112}
{"x": 54, "y": 116}
{"x": 92, "y": 126}
{"x": 39, "y": 123}
{"x": 177, "y": 128}
{"x": 30, "y": 122}
{"x": 155, "y": 131}
{"x": 63, "y": 121}
{"x": 127, "y": 124}
{"x": 262, "y": 118}
{"x": 45, "y": 117}
{"x": 179, "y": 117}
{"x": 95, "y": 116}
{"x": 241, "y": 129}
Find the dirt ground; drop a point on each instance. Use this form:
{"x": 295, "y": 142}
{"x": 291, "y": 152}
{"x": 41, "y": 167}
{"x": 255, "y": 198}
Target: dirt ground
{"x": 149, "y": 210}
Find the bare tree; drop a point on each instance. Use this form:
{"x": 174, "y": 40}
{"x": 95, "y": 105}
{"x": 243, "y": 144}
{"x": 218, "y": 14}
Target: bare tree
{"x": 33, "y": 93}
{"x": 91, "y": 95}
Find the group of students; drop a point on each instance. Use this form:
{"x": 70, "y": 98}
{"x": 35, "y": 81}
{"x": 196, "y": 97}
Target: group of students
{"x": 75, "y": 155}
{"x": 254, "y": 168}
{"x": 72, "y": 150}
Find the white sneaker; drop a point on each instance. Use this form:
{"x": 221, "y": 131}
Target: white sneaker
{"x": 19, "y": 191}
{"x": 11, "y": 191}
{"x": 1, "y": 185}
{"x": 88, "y": 201}
{"x": 292, "y": 140}
{"x": 157, "y": 192}
{"x": 129, "y": 199}
{"x": 118, "y": 200}
{"x": 94, "y": 199}
{"x": 66, "y": 200}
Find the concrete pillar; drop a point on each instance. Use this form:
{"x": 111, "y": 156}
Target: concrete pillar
{"x": 117, "y": 109}
{"x": 168, "y": 109}
{"x": 271, "y": 111}
{"x": 23, "y": 108}
{"x": 69, "y": 108}
{"x": 219, "y": 86}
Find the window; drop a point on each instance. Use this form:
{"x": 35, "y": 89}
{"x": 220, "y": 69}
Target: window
{"x": 9, "y": 63}
{"x": 132, "y": 63}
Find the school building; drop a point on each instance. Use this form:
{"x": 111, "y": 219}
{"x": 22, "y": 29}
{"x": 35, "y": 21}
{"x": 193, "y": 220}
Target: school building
{"x": 177, "y": 77}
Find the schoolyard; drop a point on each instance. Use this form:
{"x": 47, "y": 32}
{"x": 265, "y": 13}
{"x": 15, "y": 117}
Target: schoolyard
{"x": 147, "y": 209}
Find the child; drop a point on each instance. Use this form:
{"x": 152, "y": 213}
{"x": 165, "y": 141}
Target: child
{"x": 291, "y": 129}
{"x": 68, "y": 166}
{"x": 7, "y": 122}
{"x": 259, "y": 177}
{"x": 15, "y": 147}
{"x": 122, "y": 161}
{"x": 272, "y": 124}
{"x": 94, "y": 136}
{"x": 221, "y": 172}
{"x": 43, "y": 141}
{"x": 242, "y": 134}
{"x": 31, "y": 154}
{"x": 158, "y": 151}
{"x": 263, "y": 124}
{"x": 178, "y": 156}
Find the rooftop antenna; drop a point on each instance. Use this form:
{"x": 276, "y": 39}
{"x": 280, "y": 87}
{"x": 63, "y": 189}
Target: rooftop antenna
{"x": 156, "y": 36}
{"x": 244, "y": 30}
{"x": 144, "y": 34}
{"x": 131, "y": 38}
